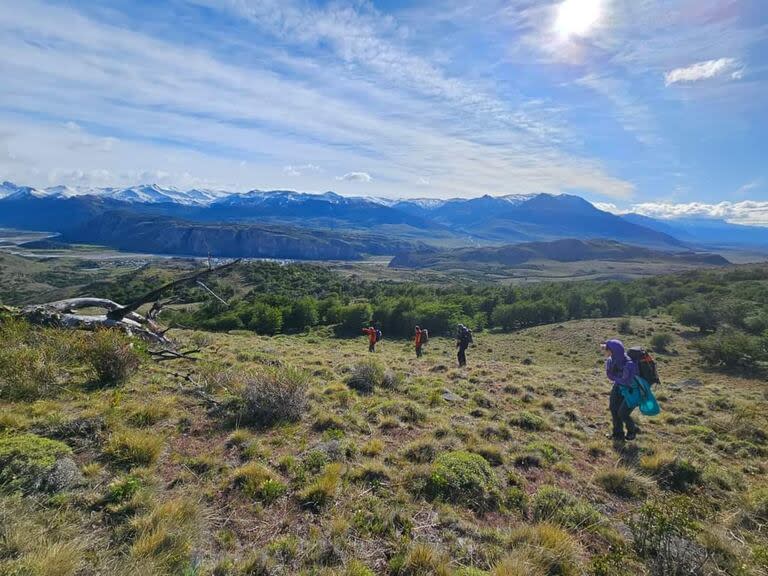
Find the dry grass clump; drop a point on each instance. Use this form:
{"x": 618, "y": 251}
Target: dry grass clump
{"x": 321, "y": 492}
{"x": 366, "y": 376}
{"x": 623, "y": 482}
{"x": 273, "y": 396}
{"x": 258, "y": 482}
{"x": 421, "y": 559}
{"x": 134, "y": 447}
{"x": 540, "y": 550}
{"x": 165, "y": 536}
{"x": 111, "y": 356}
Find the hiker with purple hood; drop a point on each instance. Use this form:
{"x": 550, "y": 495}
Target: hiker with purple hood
{"x": 621, "y": 370}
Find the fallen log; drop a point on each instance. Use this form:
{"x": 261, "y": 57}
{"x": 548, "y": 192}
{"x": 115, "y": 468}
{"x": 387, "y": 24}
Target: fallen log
{"x": 64, "y": 313}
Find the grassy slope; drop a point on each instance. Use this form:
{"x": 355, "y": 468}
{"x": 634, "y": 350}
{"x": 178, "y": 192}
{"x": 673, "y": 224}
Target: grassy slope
{"x": 563, "y": 383}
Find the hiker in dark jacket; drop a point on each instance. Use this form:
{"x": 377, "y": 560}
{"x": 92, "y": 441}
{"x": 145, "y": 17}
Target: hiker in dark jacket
{"x": 621, "y": 370}
{"x": 463, "y": 340}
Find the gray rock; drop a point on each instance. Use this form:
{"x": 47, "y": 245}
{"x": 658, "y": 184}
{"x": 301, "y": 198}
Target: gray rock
{"x": 64, "y": 475}
{"x": 449, "y": 396}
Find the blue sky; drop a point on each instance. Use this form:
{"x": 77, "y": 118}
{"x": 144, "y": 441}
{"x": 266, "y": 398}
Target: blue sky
{"x": 660, "y": 103}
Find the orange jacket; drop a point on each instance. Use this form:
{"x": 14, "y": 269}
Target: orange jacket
{"x": 371, "y": 334}
{"x": 417, "y": 339}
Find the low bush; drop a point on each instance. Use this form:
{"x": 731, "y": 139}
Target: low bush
{"x": 111, "y": 356}
{"x": 366, "y": 376}
{"x": 464, "y": 478}
{"x": 660, "y": 342}
{"x": 664, "y": 533}
{"x": 528, "y": 421}
{"x": 273, "y": 396}
{"x": 28, "y": 462}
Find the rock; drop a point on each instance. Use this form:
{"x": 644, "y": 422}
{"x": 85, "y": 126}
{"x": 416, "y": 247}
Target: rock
{"x": 449, "y": 396}
{"x": 63, "y": 476}
{"x": 690, "y": 382}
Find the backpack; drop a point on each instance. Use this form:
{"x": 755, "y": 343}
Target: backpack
{"x": 466, "y": 336}
{"x": 378, "y": 335}
{"x": 424, "y": 336}
{"x": 646, "y": 365}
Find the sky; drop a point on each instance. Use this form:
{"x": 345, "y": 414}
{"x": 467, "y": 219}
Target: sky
{"x": 658, "y": 106}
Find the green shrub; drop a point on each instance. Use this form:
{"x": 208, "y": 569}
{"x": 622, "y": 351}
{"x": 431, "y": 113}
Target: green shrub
{"x": 528, "y": 421}
{"x": 366, "y": 376}
{"x": 111, "y": 356}
{"x": 624, "y": 326}
{"x": 274, "y": 395}
{"x": 660, "y": 342}
{"x": 664, "y": 532}
{"x": 27, "y": 462}
{"x": 464, "y": 478}
{"x": 730, "y": 348}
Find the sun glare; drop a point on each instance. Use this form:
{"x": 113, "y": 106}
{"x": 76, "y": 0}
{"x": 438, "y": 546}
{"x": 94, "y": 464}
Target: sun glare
{"x": 577, "y": 17}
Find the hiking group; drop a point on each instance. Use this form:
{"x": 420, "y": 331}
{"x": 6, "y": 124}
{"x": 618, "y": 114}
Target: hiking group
{"x": 421, "y": 337}
{"x": 632, "y": 373}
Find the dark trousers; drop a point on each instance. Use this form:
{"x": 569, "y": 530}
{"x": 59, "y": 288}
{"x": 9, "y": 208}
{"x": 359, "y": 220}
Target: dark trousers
{"x": 418, "y": 351}
{"x": 462, "y": 356}
{"x": 371, "y": 346}
{"x": 621, "y": 414}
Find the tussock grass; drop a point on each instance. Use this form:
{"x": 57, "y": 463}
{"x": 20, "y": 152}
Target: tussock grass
{"x": 133, "y": 448}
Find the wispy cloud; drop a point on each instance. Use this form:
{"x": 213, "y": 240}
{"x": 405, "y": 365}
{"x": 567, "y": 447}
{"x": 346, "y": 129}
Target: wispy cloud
{"x": 729, "y": 67}
{"x": 355, "y": 177}
{"x": 185, "y": 107}
{"x": 292, "y": 170}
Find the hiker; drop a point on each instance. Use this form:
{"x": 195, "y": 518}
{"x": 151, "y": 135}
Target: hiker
{"x": 374, "y": 336}
{"x": 463, "y": 340}
{"x": 421, "y": 337}
{"x": 621, "y": 370}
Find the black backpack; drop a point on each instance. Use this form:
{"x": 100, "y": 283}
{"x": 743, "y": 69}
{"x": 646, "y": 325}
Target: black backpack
{"x": 424, "y": 336}
{"x": 646, "y": 365}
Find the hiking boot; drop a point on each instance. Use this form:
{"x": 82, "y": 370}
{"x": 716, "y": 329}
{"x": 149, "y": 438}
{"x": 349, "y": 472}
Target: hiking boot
{"x": 632, "y": 435}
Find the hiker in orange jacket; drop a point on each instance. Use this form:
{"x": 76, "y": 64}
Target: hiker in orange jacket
{"x": 418, "y": 342}
{"x": 371, "y": 332}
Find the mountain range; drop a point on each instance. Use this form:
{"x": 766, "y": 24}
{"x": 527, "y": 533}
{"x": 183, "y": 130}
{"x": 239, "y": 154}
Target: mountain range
{"x": 288, "y": 224}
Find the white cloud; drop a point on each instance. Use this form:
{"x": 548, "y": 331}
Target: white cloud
{"x": 705, "y": 70}
{"x": 747, "y": 212}
{"x": 355, "y": 177}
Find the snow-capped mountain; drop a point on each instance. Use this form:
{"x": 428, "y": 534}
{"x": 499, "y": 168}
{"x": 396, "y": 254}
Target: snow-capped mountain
{"x": 142, "y": 194}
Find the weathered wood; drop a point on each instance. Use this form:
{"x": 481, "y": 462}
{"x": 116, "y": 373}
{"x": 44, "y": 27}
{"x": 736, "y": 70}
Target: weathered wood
{"x": 154, "y": 295}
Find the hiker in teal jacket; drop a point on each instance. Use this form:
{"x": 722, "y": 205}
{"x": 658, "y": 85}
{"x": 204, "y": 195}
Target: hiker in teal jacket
{"x": 621, "y": 370}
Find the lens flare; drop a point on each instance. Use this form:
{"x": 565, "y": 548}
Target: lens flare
{"x": 577, "y": 17}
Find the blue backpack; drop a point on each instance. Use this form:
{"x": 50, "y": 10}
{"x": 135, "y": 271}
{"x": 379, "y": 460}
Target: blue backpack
{"x": 378, "y": 335}
{"x": 640, "y": 395}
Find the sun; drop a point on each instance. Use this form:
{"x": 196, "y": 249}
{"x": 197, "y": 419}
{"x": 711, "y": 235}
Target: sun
{"x": 577, "y": 17}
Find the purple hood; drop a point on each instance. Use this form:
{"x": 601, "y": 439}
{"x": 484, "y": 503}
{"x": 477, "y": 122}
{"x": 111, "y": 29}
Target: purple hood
{"x": 619, "y": 367}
